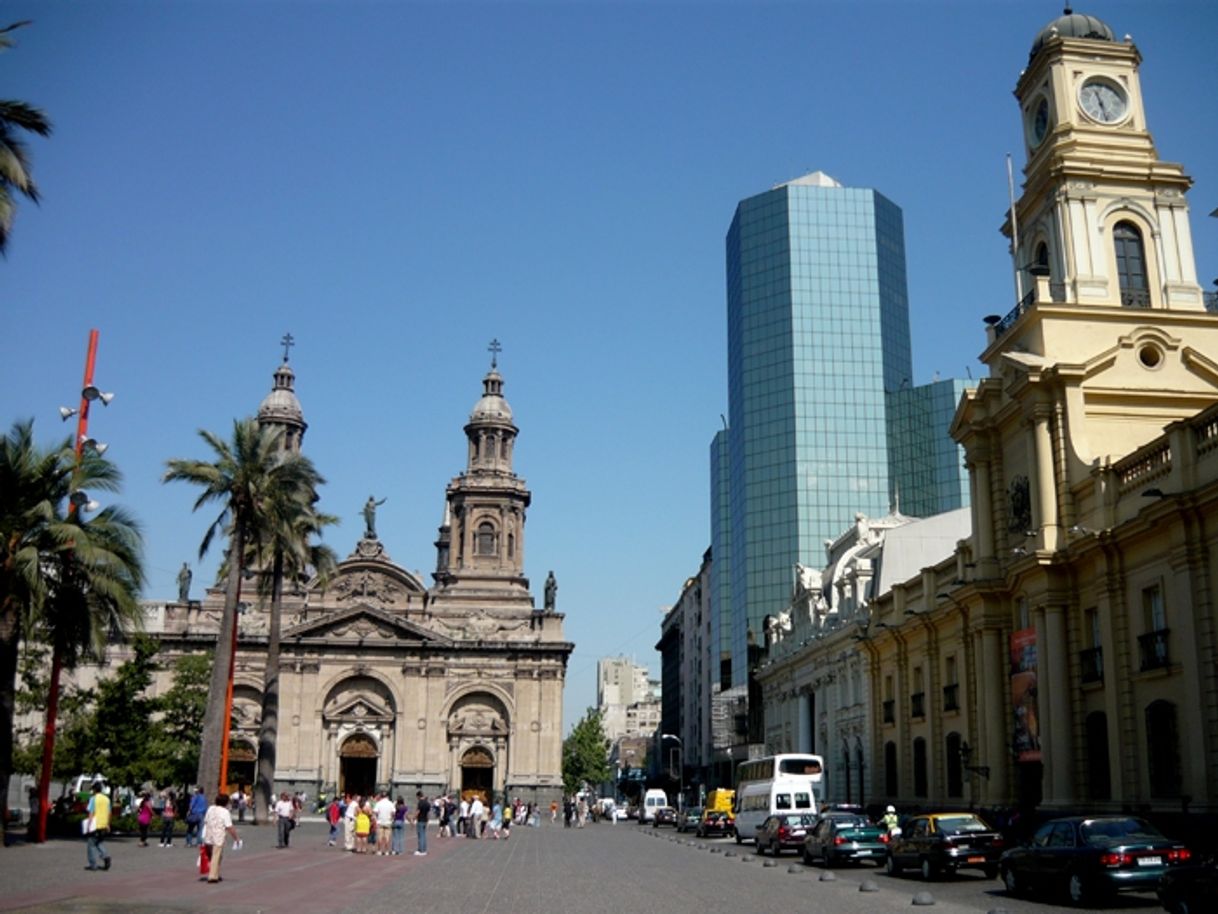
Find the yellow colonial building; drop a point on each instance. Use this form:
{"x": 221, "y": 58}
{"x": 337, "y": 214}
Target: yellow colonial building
{"x": 1063, "y": 653}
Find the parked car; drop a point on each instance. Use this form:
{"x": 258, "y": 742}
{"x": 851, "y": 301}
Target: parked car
{"x": 664, "y": 815}
{"x": 690, "y": 819}
{"x": 1091, "y": 857}
{"x": 944, "y": 842}
{"x": 842, "y": 837}
{"x": 785, "y": 831}
{"x": 716, "y": 822}
{"x": 1189, "y": 889}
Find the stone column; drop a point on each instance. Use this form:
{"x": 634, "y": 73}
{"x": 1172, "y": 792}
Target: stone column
{"x": 1045, "y": 490}
{"x": 1054, "y": 695}
{"x": 983, "y": 515}
{"x": 993, "y": 684}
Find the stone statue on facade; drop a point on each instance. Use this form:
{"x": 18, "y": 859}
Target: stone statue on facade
{"x": 551, "y": 592}
{"x": 370, "y": 507}
{"x": 184, "y": 578}
{"x": 807, "y": 581}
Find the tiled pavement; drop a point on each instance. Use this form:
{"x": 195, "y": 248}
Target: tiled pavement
{"x": 601, "y": 868}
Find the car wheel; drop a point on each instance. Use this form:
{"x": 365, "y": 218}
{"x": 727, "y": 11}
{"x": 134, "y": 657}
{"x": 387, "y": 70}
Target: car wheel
{"x": 929, "y": 870}
{"x": 739, "y": 840}
{"x": 1010, "y": 879}
{"x": 991, "y": 871}
{"x": 891, "y": 865}
{"x": 776, "y": 849}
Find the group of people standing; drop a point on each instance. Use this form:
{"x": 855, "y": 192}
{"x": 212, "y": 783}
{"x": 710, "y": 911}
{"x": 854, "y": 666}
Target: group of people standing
{"x": 377, "y": 824}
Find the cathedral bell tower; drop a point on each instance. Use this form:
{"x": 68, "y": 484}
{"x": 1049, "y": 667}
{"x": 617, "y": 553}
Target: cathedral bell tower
{"x": 480, "y": 548}
{"x": 1102, "y": 218}
{"x": 280, "y": 408}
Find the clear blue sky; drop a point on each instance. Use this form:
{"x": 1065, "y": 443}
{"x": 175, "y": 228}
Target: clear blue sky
{"x": 397, "y": 183}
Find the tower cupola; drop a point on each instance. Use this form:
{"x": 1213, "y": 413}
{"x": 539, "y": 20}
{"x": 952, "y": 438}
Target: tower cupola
{"x": 281, "y": 407}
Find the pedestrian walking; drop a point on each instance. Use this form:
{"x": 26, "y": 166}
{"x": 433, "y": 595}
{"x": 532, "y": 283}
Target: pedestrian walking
{"x": 217, "y": 823}
{"x": 334, "y": 815}
{"x": 422, "y": 811}
{"x": 194, "y": 817}
{"x": 553, "y": 812}
{"x": 349, "y": 814}
{"x": 363, "y": 824}
{"x": 143, "y": 817}
{"x": 446, "y": 817}
{"x": 496, "y": 823}
{"x": 508, "y": 815}
{"x": 97, "y": 826}
{"x": 463, "y": 818}
{"x": 169, "y": 816}
{"x": 285, "y": 821}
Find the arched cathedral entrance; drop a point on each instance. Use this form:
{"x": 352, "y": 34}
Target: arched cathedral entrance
{"x": 477, "y": 774}
{"x": 357, "y": 765}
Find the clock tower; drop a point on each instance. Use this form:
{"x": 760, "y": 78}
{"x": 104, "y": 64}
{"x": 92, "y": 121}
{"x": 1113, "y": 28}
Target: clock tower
{"x": 1101, "y": 215}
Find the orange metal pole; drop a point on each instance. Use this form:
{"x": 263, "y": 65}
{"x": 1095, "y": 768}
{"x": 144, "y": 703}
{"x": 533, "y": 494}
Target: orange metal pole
{"x": 48, "y": 733}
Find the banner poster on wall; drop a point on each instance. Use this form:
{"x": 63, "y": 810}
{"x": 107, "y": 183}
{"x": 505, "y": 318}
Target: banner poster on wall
{"x": 1026, "y": 742}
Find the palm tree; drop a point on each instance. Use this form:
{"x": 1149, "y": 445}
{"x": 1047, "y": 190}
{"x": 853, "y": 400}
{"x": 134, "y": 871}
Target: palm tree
{"x": 247, "y": 476}
{"x": 14, "y": 163}
{"x": 94, "y": 573}
{"x": 296, "y": 522}
{"x": 32, "y": 481}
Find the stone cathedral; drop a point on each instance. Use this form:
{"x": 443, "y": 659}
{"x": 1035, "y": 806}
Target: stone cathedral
{"x": 387, "y": 683}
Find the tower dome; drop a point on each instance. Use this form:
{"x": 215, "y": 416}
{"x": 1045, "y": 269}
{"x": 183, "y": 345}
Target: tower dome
{"x": 1072, "y": 25}
{"x": 280, "y": 407}
{"x": 491, "y": 407}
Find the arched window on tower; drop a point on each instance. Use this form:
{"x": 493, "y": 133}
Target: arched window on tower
{"x": 484, "y": 539}
{"x": 1131, "y": 265}
{"x": 1042, "y": 256}
{"x": 511, "y": 546}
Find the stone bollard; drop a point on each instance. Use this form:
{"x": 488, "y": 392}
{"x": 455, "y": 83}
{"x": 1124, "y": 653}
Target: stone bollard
{"x": 795, "y": 868}
{"x": 869, "y": 885}
{"x": 747, "y": 858}
{"x": 828, "y": 877}
{"x": 923, "y": 898}
{"x": 729, "y": 853}
{"x": 768, "y": 863}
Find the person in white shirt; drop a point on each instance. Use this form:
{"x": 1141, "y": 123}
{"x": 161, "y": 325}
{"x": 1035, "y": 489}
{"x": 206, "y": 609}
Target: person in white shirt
{"x": 217, "y": 823}
{"x": 285, "y": 818}
{"x": 349, "y": 822}
{"x": 383, "y": 810}
{"x": 463, "y": 818}
{"x": 476, "y": 809}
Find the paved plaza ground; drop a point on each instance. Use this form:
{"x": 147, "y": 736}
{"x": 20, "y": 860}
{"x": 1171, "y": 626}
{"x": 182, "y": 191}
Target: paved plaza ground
{"x": 600, "y": 868}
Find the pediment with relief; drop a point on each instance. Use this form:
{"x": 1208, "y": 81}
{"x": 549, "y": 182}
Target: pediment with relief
{"x": 358, "y": 709}
{"x": 365, "y": 624}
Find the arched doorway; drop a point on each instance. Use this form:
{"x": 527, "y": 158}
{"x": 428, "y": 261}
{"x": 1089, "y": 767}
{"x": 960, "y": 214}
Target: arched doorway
{"x": 357, "y": 765}
{"x": 477, "y": 774}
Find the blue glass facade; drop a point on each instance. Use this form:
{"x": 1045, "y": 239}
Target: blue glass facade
{"x": 926, "y": 465}
{"x": 818, "y": 329}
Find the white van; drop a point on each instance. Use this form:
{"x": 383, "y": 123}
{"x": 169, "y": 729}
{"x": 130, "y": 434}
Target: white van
{"x": 761, "y": 799}
{"x": 652, "y": 800}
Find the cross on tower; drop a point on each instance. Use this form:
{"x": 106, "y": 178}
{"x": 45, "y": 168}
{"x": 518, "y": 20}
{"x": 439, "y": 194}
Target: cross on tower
{"x": 494, "y": 349}
{"x": 287, "y": 342}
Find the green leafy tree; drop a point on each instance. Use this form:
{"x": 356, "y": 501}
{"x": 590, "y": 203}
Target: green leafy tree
{"x": 125, "y": 731}
{"x": 75, "y": 717}
{"x": 182, "y": 708}
{"x": 246, "y": 477}
{"x": 585, "y": 758}
{"x": 16, "y": 118}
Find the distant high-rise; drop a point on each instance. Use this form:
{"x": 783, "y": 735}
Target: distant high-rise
{"x": 818, "y": 331}
{"x": 925, "y": 465}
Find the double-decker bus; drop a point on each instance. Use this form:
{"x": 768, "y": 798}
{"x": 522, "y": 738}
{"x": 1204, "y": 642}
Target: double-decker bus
{"x": 786, "y": 783}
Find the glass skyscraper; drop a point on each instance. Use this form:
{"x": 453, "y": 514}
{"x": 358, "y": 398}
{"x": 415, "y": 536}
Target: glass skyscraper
{"x": 926, "y": 466}
{"x": 818, "y": 330}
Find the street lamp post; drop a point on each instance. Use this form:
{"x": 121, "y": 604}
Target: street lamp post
{"x": 680, "y": 770}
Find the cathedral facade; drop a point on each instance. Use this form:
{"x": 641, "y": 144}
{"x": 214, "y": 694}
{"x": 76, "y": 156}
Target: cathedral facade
{"x": 387, "y": 683}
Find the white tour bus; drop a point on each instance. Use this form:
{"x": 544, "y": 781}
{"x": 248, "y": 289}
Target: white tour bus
{"x": 789, "y": 783}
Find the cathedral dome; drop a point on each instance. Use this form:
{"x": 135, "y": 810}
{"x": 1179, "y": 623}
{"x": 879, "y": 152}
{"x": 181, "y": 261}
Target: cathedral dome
{"x": 1072, "y": 25}
{"x": 281, "y": 405}
{"x": 491, "y": 407}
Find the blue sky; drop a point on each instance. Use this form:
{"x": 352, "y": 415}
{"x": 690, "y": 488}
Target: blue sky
{"x": 397, "y": 183}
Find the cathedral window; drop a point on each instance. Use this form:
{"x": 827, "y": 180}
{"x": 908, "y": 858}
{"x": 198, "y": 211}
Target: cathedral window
{"x": 1131, "y": 265}
{"x": 484, "y": 539}
{"x": 511, "y": 543}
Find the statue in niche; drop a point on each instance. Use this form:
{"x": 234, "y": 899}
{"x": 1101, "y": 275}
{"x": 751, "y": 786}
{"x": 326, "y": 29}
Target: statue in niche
{"x": 370, "y": 507}
{"x": 551, "y": 593}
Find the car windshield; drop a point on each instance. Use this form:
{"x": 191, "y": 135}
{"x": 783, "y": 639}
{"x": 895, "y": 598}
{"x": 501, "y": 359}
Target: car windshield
{"x": 960, "y": 825}
{"x": 1107, "y": 831}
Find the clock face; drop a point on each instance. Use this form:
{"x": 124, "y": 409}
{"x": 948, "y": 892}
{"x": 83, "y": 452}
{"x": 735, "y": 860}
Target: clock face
{"x": 1103, "y": 101}
{"x": 1040, "y": 121}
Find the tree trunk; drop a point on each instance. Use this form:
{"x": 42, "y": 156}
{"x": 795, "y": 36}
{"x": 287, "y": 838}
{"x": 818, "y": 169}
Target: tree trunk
{"x": 211, "y": 778}
{"x": 268, "y": 729}
{"x": 10, "y": 635}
